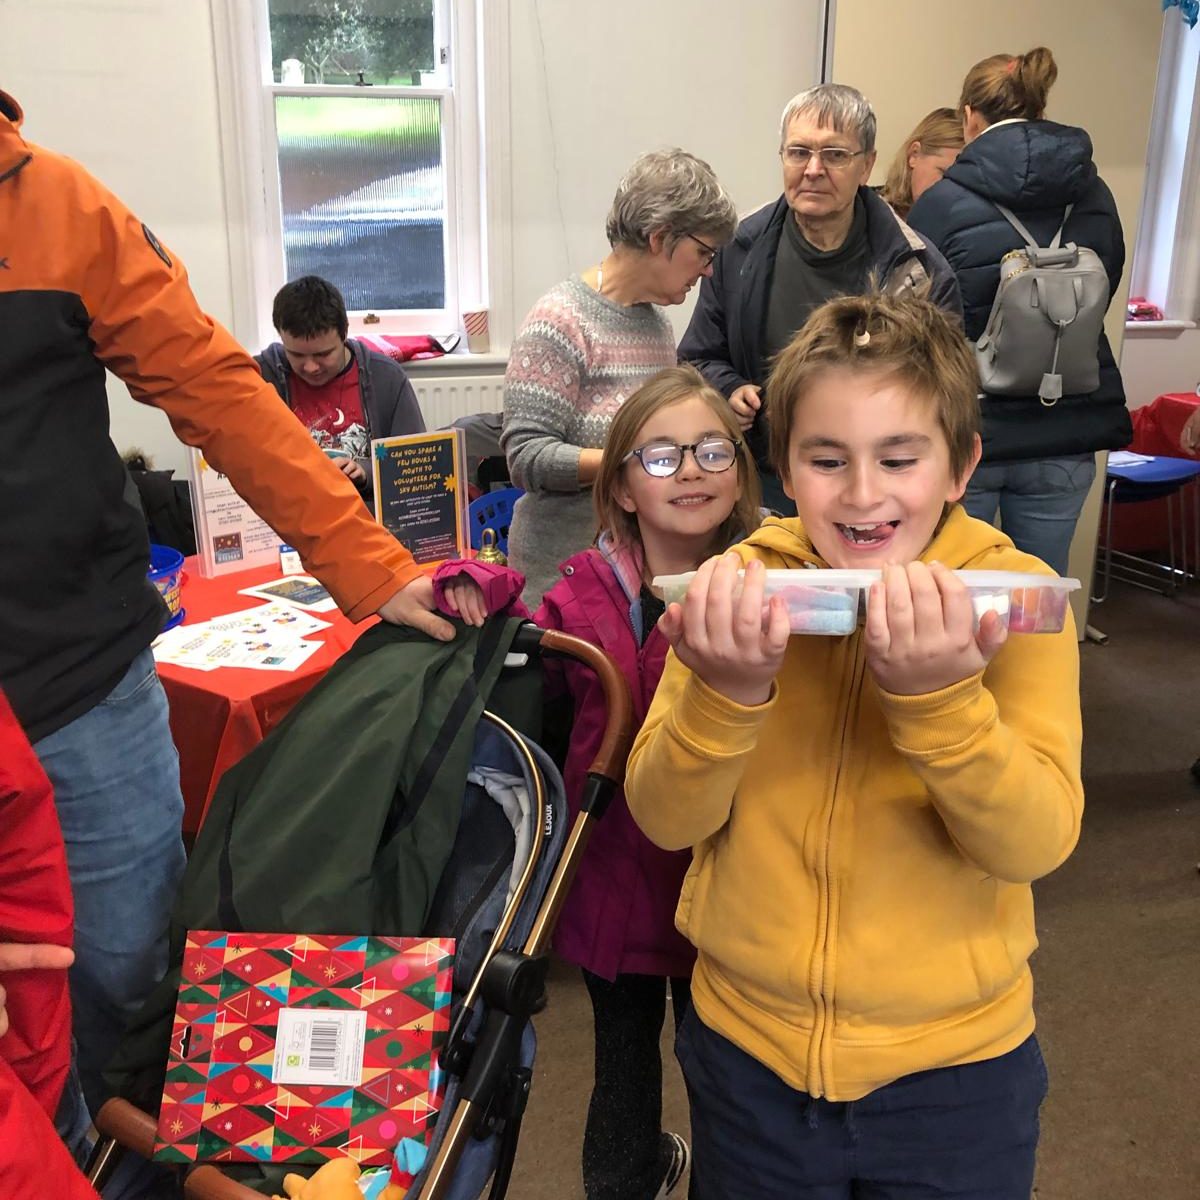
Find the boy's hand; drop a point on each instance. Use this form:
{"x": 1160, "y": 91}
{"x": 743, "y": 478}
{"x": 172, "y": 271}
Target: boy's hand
{"x": 350, "y": 469}
{"x": 465, "y": 597}
{"x": 724, "y": 642}
{"x": 919, "y": 633}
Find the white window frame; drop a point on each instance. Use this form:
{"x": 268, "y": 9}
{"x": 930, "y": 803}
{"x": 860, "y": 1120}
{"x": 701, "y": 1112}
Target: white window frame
{"x": 1166, "y": 256}
{"x": 246, "y": 96}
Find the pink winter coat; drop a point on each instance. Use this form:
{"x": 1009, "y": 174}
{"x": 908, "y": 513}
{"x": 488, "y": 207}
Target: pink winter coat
{"x": 620, "y": 915}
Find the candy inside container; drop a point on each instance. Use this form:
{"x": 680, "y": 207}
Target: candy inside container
{"x": 829, "y": 602}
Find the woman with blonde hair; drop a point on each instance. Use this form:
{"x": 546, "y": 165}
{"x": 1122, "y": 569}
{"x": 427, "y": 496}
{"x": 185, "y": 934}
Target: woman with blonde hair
{"x": 1038, "y": 457}
{"x": 923, "y": 158}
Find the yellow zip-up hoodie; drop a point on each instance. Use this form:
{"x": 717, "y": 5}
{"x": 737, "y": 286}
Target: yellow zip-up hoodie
{"x": 860, "y": 886}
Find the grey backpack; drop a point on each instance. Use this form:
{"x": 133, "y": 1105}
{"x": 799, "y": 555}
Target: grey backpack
{"x": 1043, "y": 333}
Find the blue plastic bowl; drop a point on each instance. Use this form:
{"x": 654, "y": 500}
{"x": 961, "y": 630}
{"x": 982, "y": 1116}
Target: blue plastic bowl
{"x": 166, "y": 573}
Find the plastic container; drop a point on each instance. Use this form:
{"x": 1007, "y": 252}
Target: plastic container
{"x": 821, "y": 602}
{"x": 1028, "y": 603}
{"x": 166, "y": 573}
{"x": 829, "y": 602}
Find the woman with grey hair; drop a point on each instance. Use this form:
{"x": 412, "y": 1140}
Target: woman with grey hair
{"x": 591, "y": 341}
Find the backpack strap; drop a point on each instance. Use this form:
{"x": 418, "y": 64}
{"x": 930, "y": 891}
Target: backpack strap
{"x": 1028, "y": 238}
{"x": 1011, "y": 217}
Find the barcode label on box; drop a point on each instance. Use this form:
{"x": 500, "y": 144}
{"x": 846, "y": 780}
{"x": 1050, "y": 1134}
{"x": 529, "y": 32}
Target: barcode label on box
{"x": 320, "y": 1046}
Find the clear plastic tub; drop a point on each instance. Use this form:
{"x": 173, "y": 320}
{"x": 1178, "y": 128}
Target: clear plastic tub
{"x": 823, "y": 602}
{"x": 829, "y": 602}
{"x": 1028, "y": 603}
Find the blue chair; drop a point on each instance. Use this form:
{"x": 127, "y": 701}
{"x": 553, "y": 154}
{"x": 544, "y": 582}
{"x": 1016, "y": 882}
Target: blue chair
{"x": 493, "y": 510}
{"x": 1172, "y": 479}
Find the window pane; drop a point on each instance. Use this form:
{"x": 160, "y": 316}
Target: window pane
{"x": 364, "y": 197}
{"x": 332, "y": 41}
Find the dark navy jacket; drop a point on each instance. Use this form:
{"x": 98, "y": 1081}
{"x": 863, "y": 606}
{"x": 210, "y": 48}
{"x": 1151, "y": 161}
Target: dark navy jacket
{"x": 726, "y": 339}
{"x": 1035, "y": 168}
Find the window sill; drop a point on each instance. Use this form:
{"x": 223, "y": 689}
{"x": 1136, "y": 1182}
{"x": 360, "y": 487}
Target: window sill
{"x": 1157, "y": 326}
{"x": 460, "y": 360}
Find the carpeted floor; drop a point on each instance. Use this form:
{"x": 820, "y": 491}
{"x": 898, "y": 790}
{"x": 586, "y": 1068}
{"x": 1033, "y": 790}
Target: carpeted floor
{"x": 1118, "y": 972}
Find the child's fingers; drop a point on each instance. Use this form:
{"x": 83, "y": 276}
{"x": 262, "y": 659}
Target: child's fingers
{"x": 779, "y": 628}
{"x": 929, "y": 620}
{"x": 718, "y": 614}
{"x": 898, "y": 597}
{"x": 695, "y": 603}
{"x": 958, "y": 613}
{"x": 877, "y": 632}
{"x": 450, "y": 594}
{"x": 748, "y": 612}
{"x": 993, "y": 633}
{"x": 671, "y": 623}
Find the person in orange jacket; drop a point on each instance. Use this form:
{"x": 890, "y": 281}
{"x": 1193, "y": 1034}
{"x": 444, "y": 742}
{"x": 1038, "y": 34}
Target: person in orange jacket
{"x": 35, "y": 1010}
{"x": 85, "y": 286}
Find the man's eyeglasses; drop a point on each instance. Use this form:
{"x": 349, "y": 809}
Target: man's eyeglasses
{"x": 709, "y": 251}
{"x": 833, "y": 158}
{"x": 663, "y": 459}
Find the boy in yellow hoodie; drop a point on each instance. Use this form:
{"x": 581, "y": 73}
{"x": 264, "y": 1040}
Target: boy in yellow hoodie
{"x": 866, "y": 813}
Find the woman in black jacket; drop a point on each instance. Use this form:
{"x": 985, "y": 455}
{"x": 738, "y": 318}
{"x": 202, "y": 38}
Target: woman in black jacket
{"x": 1038, "y": 460}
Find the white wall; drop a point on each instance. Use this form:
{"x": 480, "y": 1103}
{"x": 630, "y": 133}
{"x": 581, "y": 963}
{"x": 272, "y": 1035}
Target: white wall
{"x": 1155, "y": 361}
{"x": 594, "y": 85}
{"x": 127, "y": 88}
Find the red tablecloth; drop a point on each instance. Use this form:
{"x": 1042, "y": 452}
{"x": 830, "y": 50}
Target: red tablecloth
{"x": 218, "y": 716}
{"x": 1142, "y": 528}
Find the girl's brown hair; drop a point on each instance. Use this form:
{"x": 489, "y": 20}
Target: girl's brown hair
{"x": 672, "y": 386}
{"x": 1005, "y": 85}
{"x": 906, "y": 338}
{"x": 942, "y": 129}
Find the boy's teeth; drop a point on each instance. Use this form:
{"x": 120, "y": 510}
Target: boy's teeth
{"x": 869, "y": 533}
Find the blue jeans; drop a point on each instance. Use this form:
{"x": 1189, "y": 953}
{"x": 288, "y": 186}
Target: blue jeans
{"x": 116, "y": 786}
{"x": 1039, "y": 502}
{"x": 958, "y": 1133}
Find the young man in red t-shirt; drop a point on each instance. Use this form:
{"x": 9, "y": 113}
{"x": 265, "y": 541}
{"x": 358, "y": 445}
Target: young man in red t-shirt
{"x": 344, "y": 393}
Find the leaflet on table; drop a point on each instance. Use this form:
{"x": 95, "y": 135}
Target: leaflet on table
{"x": 275, "y": 618}
{"x": 204, "y": 648}
{"x": 301, "y": 590}
{"x": 421, "y": 493}
{"x": 230, "y": 536}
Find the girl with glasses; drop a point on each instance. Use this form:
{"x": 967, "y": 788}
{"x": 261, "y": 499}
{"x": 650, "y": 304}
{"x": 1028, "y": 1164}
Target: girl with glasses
{"x": 675, "y": 486}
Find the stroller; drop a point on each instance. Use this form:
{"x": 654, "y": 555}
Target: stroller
{"x": 505, "y": 880}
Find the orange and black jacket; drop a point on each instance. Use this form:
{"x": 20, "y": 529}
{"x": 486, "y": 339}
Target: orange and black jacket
{"x": 85, "y": 286}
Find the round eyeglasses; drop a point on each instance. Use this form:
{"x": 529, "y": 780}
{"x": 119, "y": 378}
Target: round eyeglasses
{"x": 663, "y": 459}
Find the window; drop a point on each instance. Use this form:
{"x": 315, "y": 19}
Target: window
{"x": 350, "y": 130}
{"x": 1166, "y": 258}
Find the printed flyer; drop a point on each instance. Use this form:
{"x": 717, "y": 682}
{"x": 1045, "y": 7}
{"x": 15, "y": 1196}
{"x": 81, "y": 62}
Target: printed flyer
{"x": 421, "y": 493}
{"x": 230, "y": 536}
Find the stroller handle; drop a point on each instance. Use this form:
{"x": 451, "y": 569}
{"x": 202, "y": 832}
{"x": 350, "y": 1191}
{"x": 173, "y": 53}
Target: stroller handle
{"x": 618, "y": 730}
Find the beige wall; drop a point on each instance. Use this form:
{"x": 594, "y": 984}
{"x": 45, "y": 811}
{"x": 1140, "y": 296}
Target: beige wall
{"x": 910, "y": 56}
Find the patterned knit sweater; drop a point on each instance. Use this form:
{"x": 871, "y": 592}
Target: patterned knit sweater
{"x": 577, "y": 359}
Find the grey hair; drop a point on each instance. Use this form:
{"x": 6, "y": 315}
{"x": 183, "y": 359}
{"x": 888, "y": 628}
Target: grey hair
{"x": 671, "y": 192}
{"x": 834, "y": 106}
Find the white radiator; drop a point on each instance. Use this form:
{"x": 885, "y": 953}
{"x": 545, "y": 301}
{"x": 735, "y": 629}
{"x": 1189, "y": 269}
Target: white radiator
{"x": 446, "y": 398}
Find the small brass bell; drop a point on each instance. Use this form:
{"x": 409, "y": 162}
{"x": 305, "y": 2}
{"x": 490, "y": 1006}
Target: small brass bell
{"x": 488, "y": 551}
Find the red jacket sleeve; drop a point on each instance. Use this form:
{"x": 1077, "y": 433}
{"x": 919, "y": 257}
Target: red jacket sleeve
{"x": 33, "y": 1159}
{"x": 35, "y": 906}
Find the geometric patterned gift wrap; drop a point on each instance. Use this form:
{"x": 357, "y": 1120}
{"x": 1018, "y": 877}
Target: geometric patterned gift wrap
{"x": 360, "y": 1022}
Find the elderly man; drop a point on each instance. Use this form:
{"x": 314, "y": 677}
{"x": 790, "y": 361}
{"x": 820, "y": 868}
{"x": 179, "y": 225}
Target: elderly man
{"x": 827, "y": 235}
